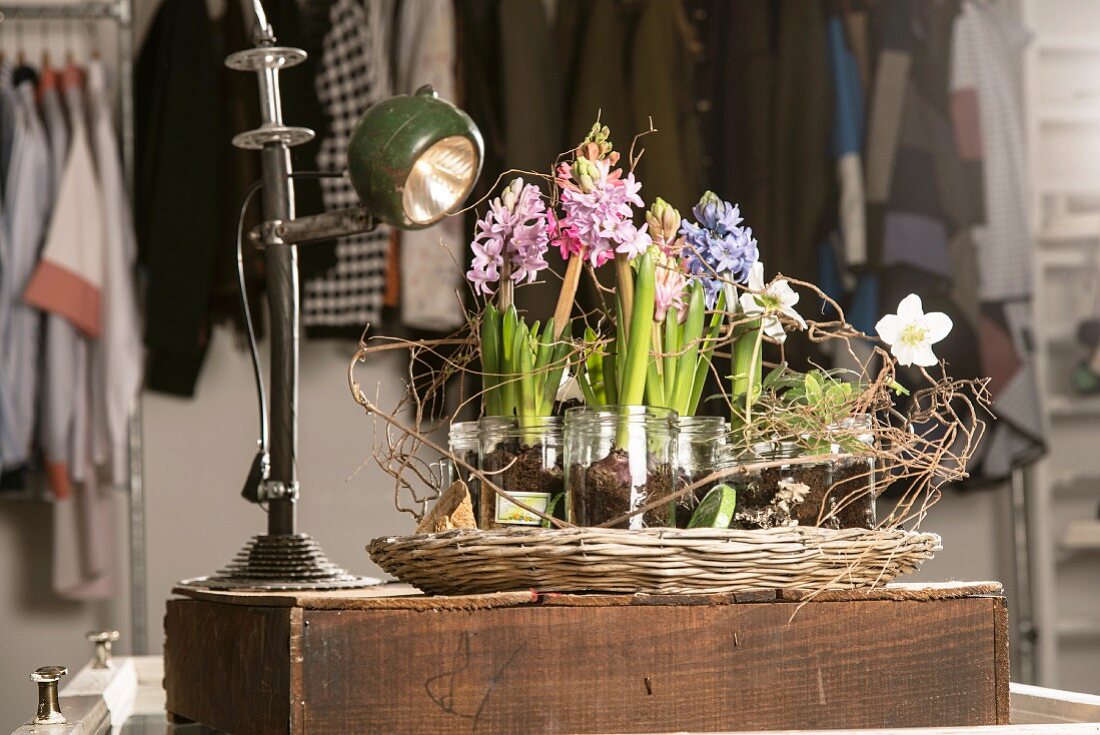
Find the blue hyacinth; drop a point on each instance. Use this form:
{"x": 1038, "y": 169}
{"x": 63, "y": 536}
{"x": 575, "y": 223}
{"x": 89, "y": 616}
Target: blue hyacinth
{"x": 718, "y": 248}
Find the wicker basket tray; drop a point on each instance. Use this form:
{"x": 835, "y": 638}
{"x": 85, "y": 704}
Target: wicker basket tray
{"x": 659, "y": 560}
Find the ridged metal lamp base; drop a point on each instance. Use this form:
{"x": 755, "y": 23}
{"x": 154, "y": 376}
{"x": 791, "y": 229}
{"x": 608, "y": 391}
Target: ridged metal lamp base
{"x": 294, "y": 562}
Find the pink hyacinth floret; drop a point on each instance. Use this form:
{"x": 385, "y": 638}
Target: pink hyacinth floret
{"x": 598, "y": 212}
{"x": 515, "y": 228}
{"x": 671, "y": 283}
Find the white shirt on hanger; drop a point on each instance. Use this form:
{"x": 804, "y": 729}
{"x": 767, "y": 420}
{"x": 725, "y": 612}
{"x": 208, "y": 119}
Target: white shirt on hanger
{"x": 118, "y": 354}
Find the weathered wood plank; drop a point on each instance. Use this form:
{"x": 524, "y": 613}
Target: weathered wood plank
{"x": 555, "y": 669}
{"x": 228, "y": 666}
{"x": 403, "y": 596}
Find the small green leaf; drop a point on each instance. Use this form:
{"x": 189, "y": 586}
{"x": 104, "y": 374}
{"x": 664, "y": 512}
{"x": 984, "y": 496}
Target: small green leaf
{"x": 716, "y": 509}
{"x": 774, "y": 375}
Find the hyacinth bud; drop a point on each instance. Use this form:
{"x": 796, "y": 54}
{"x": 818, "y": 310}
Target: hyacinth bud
{"x": 585, "y": 173}
{"x": 664, "y": 221}
{"x": 596, "y": 144}
{"x": 511, "y": 194}
{"x": 708, "y": 198}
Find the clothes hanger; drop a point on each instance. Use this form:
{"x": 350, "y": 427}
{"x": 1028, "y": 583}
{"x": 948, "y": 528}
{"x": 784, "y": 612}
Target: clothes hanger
{"x": 67, "y": 33}
{"x": 44, "y": 46}
{"x": 93, "y": 38}
{"x": 20, "y": 57}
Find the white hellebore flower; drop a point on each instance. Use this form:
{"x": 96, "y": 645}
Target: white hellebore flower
{"x": 569, "y": 389}
{"x": 769, "y": 301}
{"x": 911, "y": 333}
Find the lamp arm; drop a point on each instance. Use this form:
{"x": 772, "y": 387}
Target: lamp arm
{"x": 316, "y": 227}
{"x": 263, "y": 34}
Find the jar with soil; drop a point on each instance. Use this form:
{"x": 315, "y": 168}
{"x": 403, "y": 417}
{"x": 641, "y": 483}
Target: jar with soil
{"x": 854, "y": 486}
{"x": 794, "y": 492}
{"x": 523, "y": 458}
{"x": 462, "y": 442}
{"x": 701, "y": 442}
{"x": 617, "y": 459}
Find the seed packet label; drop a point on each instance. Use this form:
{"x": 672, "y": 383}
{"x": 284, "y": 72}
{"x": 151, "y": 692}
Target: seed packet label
{"x": 510, "y": 514}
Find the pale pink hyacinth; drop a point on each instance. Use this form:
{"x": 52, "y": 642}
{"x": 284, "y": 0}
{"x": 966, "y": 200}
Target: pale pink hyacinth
{"x": 671, "y": 284}
{"x": 515, "y": 228}
{"x": 598, "y": 205}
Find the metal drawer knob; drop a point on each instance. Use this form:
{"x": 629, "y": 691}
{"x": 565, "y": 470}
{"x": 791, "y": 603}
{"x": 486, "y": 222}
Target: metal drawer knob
{"x": 102, "y": 640}
{"x": 49, "y": 708}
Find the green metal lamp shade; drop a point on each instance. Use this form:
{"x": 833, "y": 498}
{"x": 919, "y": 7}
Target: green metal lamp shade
{"x": 413, "y": 159}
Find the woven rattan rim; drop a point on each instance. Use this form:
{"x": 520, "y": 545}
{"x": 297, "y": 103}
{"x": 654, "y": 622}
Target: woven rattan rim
{"x": 656, "y": 560}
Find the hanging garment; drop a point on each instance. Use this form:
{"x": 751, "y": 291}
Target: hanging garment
{"x": 117, "y": 355}
{"x": 57, "y": 127}
{"x": 67, "y": 284}
{"x": 530, "y": 68}
{"x": 64, "y": 348}
{"x": 432, "y": 259}
{"x": 296, "y": 28}
{"x": 353, "y": 73}
{"x": 987, "y": 46}
{"x": 919, "y": 209}
{"x": 181, "y": 142}
{"x": 635, "y": 63}
{"x": 848, "y": 143}
{"x": 27, "y": 203}
{"x": 663, "y": 55}
{"x": 768, "y": 125}
{"x": 601, "y": 75}
{"x": 842, "y": 257}
{"x": 7, "y": 135}
{"x": 7, "y": 121}
{"x": 482, "y": 96}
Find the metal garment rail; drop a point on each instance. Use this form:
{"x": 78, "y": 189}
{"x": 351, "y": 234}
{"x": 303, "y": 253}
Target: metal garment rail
{"x": 119, "y": 12}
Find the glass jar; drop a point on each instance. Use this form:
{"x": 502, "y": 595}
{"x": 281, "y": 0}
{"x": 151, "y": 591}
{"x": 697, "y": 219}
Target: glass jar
{"x": 462, "y": 442}
{"x": 523, "y": 458}
{"x": 854, "y": 486}
{"x": 617, "y": 459}
{"x": 701, "y": 442}
{"x": 795, "y": 493}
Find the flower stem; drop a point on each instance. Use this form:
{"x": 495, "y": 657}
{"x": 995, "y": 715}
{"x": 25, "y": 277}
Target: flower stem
{"x": 567, "y": 295}
{"x": 746, "y": 370}
{"x": 692, "y": 336}
{"x": 641, "y": 326}
{"x": 754, "y": 374}
{"x": 504, "y": 294}
{"x": 624, "y": 286}
{"x": 655, "y": 382}
{"x": 490, "y": 360}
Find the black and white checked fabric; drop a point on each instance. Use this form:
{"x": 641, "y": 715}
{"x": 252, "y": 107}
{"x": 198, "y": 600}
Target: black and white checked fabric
{"x": 353, "y": 73}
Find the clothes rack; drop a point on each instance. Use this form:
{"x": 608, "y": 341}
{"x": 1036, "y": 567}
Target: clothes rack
{"x": 119, "y": 12}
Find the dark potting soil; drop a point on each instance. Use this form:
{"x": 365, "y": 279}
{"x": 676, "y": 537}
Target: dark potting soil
{"x": 686, "y": 504}
{"x": 759, "y": 499}
{"x": 605, "y": 488}
{"x": 520, "y": 469}
{"x": 854, "y": 491}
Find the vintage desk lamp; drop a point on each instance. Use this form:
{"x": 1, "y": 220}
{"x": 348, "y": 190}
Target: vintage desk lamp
{"x": 412, "y": 159}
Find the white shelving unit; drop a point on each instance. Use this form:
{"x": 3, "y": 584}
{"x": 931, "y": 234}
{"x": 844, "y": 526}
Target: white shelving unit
{"x": 1062, "y": 98}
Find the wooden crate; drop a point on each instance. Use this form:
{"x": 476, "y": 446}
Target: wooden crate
{"x": 373, "y": 662}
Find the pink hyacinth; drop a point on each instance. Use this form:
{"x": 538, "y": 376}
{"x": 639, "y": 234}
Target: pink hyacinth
{"x": 598, "y": 205}
{"x": 671, "y": 283}
{"x": 515, "y": 228}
